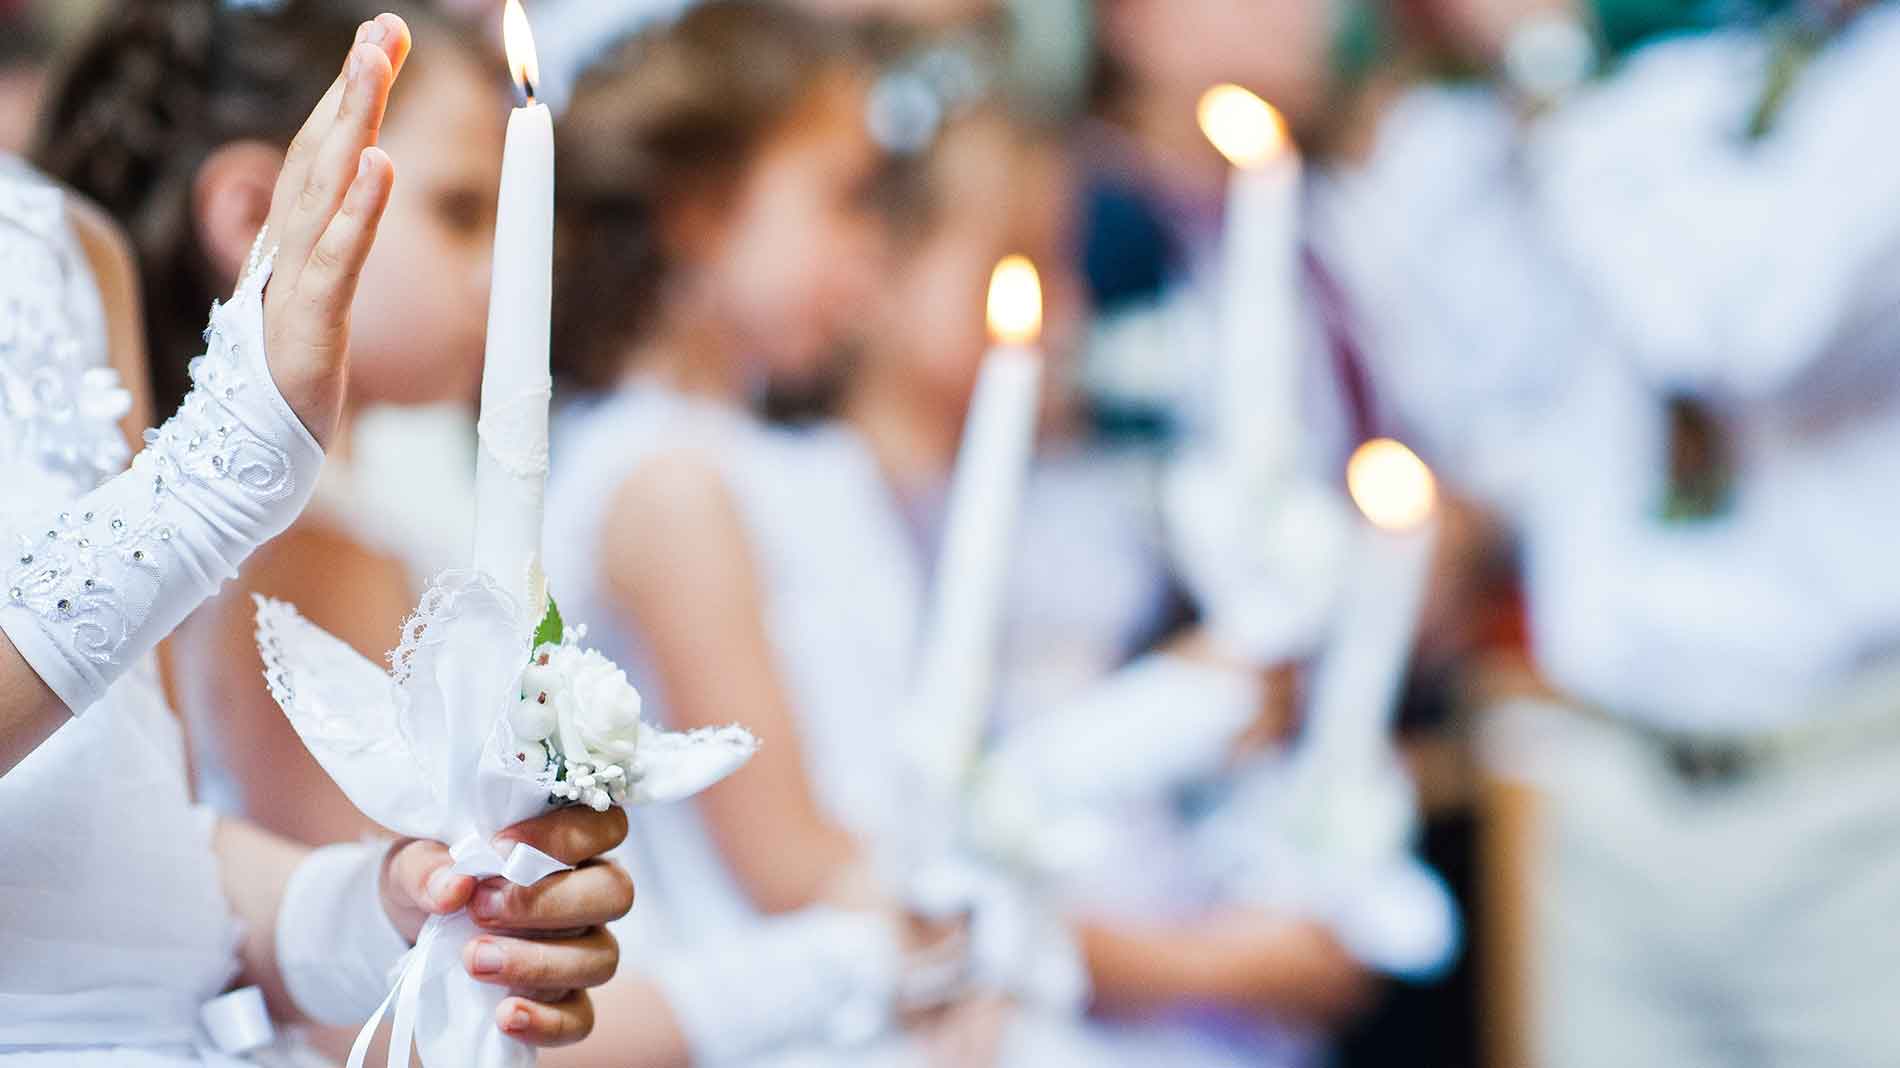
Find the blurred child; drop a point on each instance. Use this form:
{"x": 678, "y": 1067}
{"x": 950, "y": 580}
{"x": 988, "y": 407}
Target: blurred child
{"x": 1088, "y": 591}
{"x": 716, "y": 237}
{"x": 175, "y": 118}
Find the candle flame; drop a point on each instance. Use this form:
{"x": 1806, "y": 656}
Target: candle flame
{"x": 518, "y": 37}
{"x": 1016, "y": 302}
{"x": 1247, "y": 130}
{"x": 1391, "y": 485}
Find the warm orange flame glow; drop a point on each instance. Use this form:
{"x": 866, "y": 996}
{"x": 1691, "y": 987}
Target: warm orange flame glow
{"x": 1246, "y": 129}
{"x": 1391, "y": 485}
{"x": 518, "y": 37}
{"x": 1016, "y": 302}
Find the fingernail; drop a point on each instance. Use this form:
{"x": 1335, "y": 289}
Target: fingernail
{"x": 488, "y": 958}
{"x": 373, "y": 32}
{"x": 362, "y": 166}
{"x": 486, "y": 903}
{"x": 520, "y": 1020}
{"x": 355, "y": 65}
{"x": 438, "y": 889}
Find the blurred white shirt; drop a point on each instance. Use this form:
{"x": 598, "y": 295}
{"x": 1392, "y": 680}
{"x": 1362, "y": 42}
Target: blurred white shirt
{"x": 1530, "y": 299}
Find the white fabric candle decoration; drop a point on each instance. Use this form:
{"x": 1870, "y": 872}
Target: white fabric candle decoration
{"x": 957, "y": 664}
{"x": 1257, "y": 400}
{"x": 1356, "y": 690}
{"x": 512, "y": 462}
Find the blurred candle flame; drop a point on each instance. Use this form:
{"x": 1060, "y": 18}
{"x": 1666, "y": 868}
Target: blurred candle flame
{"x": 518, "y": 38}
{"x": 1391, "y": 485}
{"x": 1246, "y": 129}
{"x": 1016, "y": 302}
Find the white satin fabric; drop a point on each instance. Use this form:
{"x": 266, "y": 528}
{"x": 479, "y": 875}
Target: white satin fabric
{"x": 113, "y": 929}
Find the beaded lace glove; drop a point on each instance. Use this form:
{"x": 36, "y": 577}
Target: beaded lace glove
{"x": 87, "y": 591}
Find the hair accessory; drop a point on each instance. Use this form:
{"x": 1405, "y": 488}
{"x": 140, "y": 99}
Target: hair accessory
{"x": 914, "y": 99}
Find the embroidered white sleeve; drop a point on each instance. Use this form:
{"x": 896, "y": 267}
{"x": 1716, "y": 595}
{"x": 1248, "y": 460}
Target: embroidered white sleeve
{"x": 88, "y": 590}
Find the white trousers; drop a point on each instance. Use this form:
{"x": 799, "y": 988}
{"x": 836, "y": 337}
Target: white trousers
{"x": 1749, "y": 923}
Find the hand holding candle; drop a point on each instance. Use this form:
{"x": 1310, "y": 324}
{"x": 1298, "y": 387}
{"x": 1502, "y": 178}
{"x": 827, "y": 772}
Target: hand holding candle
{"x": 1259, "y": 545}
{"x": 512, "y": 463}
{"x": 957, "y": 666}
{"x": 1357, "y": 688}
{"x": 1258, "y": 418}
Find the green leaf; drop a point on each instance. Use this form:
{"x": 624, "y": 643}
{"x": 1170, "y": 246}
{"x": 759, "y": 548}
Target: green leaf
{"x": 549, "y": 631}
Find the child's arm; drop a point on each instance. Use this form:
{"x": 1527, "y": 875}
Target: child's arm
{"x": 325, "y": 213}
{"x": 1242, "y": 959}
{"x": 678, "y": 563}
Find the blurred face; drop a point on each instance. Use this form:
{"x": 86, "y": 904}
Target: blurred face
{"x": 995, "y": 196}
{"x": 1280, "y": 49}
{"x": 794, "y": 254}
{"x": 421, "y": 311}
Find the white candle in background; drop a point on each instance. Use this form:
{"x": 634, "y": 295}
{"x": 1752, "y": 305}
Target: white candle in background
{"x": 1356, "y": 689}
{"x": 511, "y": 464}
{"x": 956, "y": 667}
{"x": 1257, "y": 415}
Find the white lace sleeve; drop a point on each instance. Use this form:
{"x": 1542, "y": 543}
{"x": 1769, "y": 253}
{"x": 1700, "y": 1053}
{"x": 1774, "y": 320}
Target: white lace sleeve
{"x": 90, "y": 587}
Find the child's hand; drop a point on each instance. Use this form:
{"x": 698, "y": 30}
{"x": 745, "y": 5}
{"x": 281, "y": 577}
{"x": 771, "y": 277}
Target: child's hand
{"x": 549, "y": 943}
{"x": 324, "y": 213}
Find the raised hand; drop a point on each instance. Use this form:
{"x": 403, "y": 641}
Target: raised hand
{"x": 324, "y": 213}
{"x": 548, "y": 943}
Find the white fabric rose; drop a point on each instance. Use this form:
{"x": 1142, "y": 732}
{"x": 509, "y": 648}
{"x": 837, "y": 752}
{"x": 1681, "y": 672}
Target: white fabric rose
{"x": 605, "y": 708}
{"x": 583, "y": 708}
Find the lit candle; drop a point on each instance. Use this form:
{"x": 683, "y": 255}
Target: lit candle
{"x": 512, "y": 462}
{"x": 1356, "y": 689}
{"x": 957, "y": 664}
{"x": 1257, "y": 415}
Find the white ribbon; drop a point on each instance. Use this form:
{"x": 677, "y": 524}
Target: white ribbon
{"x": 234, "y": 1024}
{"x": 475, "y": 856}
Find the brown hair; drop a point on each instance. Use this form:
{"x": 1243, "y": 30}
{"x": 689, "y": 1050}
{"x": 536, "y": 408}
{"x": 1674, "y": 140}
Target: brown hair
{"x": 671, "y": 112}
{"x": 154, "y": 91}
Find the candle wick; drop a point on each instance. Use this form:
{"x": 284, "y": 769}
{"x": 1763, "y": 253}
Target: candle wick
{"x": 527, "y": 92}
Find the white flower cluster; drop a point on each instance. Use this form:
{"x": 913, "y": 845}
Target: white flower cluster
{"x": 585, "y": 715}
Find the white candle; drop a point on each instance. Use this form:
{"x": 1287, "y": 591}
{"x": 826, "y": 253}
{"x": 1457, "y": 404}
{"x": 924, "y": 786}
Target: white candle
{"x": 1356, "y": 689}
{"x": 1257, "y": 415}
{"x": 512, "y": 461}
{"x": 956, "y": 668}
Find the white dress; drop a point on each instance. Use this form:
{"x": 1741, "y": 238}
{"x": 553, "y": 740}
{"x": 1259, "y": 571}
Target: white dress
{"x": 113, "y": 928}
{"x": 806, "y": 510}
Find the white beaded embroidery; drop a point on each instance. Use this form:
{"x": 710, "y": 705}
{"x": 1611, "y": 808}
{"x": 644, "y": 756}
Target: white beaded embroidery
{"x": 96, "y": 574}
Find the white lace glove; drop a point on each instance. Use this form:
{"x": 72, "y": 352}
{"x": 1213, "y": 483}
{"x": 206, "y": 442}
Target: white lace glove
{"x": 90, "y": 590}
{"x": 335, "y": 943}
{"x": 818, "y": 976}
{"x": 1017, "y": 947}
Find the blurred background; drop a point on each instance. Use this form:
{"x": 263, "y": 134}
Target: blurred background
{"x": 1621, "y": 273}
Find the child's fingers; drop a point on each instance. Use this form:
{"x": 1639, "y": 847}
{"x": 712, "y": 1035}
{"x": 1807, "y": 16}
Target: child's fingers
{"x": 551, "y": 969}
{"x": 570, "y": 835}
{"x": 395, "y": 40}
{"x": 327, "y": 287}
{"x": 333, "y": 169}
{"x": 562, "y": 1023}
{"x": 593, "y": 894}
